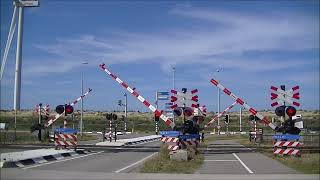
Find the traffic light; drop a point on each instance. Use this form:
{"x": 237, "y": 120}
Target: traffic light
{"x": 68, "y": 109}
{"x": 60, "y": 109}
{"x": 114, "y": 117}
{"x": 226, "y": 118}
{"x": 177, "y": 111}
{"x": 109, "y": 116}
{"x": 280, "y": 111}
{"x": 188, "y": 111}
{"x": 253, "y": 118}
{"x": 156, "y": 118}
{"x": 119, "y": 102}
{"x": 291, "y": 111}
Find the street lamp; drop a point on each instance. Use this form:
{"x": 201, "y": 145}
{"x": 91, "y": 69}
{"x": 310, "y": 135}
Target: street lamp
{"x": 218, "y": 70}
{"x": 125, "y": 112}
{"x": 174, "y": 82}
{"x": 81, "y": 119}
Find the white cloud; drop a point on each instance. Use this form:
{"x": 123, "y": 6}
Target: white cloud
{"x": 229, "y": 34}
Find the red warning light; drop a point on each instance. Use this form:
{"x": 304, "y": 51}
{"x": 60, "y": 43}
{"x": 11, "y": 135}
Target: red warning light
{"x": 291, "y": 111}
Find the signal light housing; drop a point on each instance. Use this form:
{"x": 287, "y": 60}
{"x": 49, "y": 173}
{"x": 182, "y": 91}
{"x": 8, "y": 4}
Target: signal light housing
{"x": 226, "y": 118}
{"x": 253, "y": 118}
{"x": 291, "y": 111}
{"x": 68, "y": 109}
{"x": 60, "y": 109}
{"x": 188, "y": 111}
{"x": 280, "y": 111}
{"x": 177, "y": 111}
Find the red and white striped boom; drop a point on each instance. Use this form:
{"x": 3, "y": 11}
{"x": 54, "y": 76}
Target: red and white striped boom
{"x": 132, "y": 91}
{"x": 221, "y": 114}
{"x": 264, "y": 119}
{"x": 57, "y": 116}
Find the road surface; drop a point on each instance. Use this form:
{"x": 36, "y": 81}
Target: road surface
{"x": 223, "y": 160}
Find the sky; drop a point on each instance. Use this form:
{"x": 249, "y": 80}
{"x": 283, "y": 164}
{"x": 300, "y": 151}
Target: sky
{"x": 253, "y": 44}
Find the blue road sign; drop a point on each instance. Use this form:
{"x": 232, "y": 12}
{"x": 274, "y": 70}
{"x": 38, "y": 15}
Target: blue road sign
{"x": 170, "y": 133}
{"x": 286, "y": 136}
{"x": 190, "y": 136}
{"x": 163, "y": 98}
{"x": 66, "y": 130}
{"x": 164, "y": 93}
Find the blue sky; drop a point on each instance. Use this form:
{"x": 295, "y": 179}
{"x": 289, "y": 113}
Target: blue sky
{"x": 256, "y": 44}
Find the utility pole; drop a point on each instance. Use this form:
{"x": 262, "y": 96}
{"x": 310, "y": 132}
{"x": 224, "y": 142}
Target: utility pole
{"x": 125, "y": 111}
{"x": 81, "y": 118}
{"x": 39, "y": 122}
{"x": 156, "y": 122}
{"x": 218, "y": 70}
{"x": 240, "y": 122}
{"x": 174, "y": 84}
{"x": 218, "y": 111}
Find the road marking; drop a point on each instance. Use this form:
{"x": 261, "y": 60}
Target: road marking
{"x": 219, "y": 160}
{"x": 244, "y": 165}
{"x": 29, "y": 167}
{"x": 135, "y": 163}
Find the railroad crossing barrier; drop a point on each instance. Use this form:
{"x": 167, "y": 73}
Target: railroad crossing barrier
{"x": 176, "y": 141}
{"x": 286, "y": 144}
{"x": 65, "y": 137}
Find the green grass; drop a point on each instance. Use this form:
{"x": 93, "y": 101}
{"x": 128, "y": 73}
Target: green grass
{"x": 21, "y": 138}
{"x": 307, "y": 163}
{"x": 27, "y": 137}
{"x": 86, "y": 137}
{"x": 162, "y": 163}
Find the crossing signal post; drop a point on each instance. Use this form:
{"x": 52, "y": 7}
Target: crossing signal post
{"x": 157, "y": 119}
{"x": 283, "y": 96}
{"x": 226, "y": 120}
{"x": 112, "y": 124}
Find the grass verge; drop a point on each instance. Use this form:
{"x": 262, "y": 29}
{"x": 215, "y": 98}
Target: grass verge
{"x": 307, "y": 163}
{"x": 162, "y": 163}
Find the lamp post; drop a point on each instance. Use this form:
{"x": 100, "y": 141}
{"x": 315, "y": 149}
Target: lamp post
{"x": 81, "y": 118}
{"x": 218, "y": 70}
{"x": 173, "y": 81}
{"x": 125, "y": 111}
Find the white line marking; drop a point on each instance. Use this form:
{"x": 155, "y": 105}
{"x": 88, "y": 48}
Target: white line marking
{"x": 209, "y": 160}
{"x": 52, "y": 162}
{"x": 135, "y": 163}
{"x": 244, "y": 165}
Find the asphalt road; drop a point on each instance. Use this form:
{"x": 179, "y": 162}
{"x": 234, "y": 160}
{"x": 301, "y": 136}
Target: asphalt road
{"x": 223, "y": 160}
{"x": 230, "y": 157}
